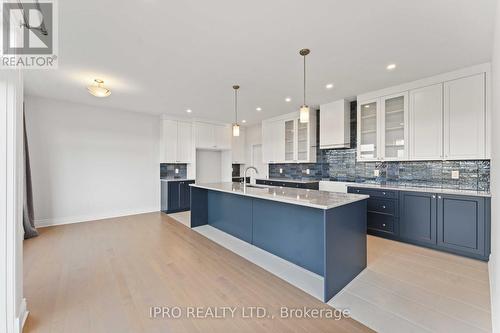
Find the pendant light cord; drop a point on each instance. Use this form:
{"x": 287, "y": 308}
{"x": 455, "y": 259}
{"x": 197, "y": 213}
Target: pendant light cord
{"x": 304, "y": 80}
{"x": 235, "y": 106}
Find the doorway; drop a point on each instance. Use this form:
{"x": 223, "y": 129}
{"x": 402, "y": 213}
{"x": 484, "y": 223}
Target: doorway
{"x": 258, "y": 162}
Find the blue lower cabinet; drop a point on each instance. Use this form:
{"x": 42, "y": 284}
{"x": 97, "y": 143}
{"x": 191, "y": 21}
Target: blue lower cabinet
{"x": 418, "y": 217}
{"x": 461, "y": 224}
{"x": 175, "y": 196}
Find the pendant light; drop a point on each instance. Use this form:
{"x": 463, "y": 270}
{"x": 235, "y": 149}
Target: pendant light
{"x": 304, "y": 109}
{"x": 98, "y": 89}
{"x": 236, "y": 127}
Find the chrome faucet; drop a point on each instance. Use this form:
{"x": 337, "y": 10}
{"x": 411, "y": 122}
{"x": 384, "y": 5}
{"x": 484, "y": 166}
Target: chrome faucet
{"x": 245, "y": 176}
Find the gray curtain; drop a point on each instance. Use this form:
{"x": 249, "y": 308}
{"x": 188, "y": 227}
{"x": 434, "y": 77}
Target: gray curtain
{"x": 28, "y": 214}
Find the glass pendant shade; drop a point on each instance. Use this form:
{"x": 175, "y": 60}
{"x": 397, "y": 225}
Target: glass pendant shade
{"x": 236, "y": 130}
{"x": 304, "y": 114}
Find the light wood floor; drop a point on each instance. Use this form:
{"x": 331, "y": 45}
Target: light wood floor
{"x": 407, "y": 288}
{"x": 104, "y": 276}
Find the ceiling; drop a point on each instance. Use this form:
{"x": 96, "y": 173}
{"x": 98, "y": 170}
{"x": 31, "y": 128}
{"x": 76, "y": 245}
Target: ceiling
{"x": 164, "y": 57}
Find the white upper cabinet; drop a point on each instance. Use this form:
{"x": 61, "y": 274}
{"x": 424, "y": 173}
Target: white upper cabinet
{"x": 177, "y": 142}
{"x": 238, "y": 147}
{"x": 368, "y": 130}
{"x": 290, "y": 140}
{"x": 273, "y": 143}
{"x": 185, "y": 144}
{"x": 286, "y": 140}
{"x": 335, "y": 125}
{"x": 212, "y": 136}
{"x": 444, "y": 117}
{"x": 426, "y": 119}
{"x": 465, "y": 118}
{"x": 205, "y": 137}
{"x": 394, "y": 126}
{"x": 223, "y": 136}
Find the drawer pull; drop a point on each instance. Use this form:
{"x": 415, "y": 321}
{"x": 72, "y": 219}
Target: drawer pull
{"x": 439, "y": 197}
{"x": 383, "y": 224}
{"x": 383, "y": 207}
{"x": 433, "y": 197}
{"x": 383, "y": 193}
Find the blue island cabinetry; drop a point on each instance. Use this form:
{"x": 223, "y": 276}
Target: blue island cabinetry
{"x": 459, "y": 224}
{"x": 329, "y": 241}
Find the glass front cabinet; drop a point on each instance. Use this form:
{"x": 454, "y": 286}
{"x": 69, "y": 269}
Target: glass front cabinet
{"x": 383, "y": 128}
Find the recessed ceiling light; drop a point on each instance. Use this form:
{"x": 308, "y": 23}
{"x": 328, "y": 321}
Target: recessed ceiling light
{"x": 367, "y": 106}
{"x": 391, "y": 67}
{"x": 258, "y": 108}
{"x": 288, "y": 99}
{"x": 189, "y": 110}
{"x": 243, "y": 121}
{"x": 329, "y": 86}
{"x": 98, "y": 89}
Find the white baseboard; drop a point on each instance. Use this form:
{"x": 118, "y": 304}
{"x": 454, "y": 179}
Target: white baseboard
{"x": 41, "y": 223}
{"x": 23, "y": 314}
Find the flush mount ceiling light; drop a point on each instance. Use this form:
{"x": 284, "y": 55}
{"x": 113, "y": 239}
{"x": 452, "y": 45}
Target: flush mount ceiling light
{"x": 243, "y": 121}
{"x": 391, "y": 67}
{"x": 258, "y": 108}
{"x": 329, "y": 86}
{"x": 98, "y": 89}
{"x": 236, "y": 127}
{"x": 288, "y": 99}
{"x": 189, "y": 110}
{"x": 304, "y": 109}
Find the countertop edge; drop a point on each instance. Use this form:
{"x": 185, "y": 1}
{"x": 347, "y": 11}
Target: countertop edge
{"x": 360, "y": 197}
{"x": 423, "y": 189}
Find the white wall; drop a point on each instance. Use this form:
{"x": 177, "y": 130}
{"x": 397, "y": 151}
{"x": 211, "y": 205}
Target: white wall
{"x": 208, "y": 166}
{"x": 254, "y": 136}
{"x": 90, "y": 163}
{"x": 495, "y": 181}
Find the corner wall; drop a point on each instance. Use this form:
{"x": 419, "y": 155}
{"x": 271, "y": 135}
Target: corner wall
{"x": 90, "y": 163}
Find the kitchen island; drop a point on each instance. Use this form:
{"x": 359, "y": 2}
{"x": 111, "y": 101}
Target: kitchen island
{"x": 322, "y": 232}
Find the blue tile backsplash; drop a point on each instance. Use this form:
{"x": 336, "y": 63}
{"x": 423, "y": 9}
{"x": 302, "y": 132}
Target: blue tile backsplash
{"x": 341, "y": 165}
{"x": 167, "y": 170}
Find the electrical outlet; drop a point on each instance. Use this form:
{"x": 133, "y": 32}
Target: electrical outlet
{"x": 308, "y": 171}
{"x": 376, "y": 173}
{"x": 455, "y": 174}
{"x": 281, "y": 170}
{"x": 176, "y": 171}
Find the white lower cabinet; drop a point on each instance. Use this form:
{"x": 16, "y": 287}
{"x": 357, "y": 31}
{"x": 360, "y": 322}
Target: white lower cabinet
{"x": 465, "y": 118}
{"x": 426, "y": 123}
{"x": 177, "y": 143}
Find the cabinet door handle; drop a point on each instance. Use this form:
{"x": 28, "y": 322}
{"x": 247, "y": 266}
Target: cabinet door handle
{"x": 439, "y": 197}
{"x": 383, "y": 207}
{"x": 383, "y": 193}
{"x": 433, "y": 197}
{"x": 383, "y": 224}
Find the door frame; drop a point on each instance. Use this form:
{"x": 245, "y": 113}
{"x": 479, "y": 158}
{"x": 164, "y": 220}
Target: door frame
{"x": 13, "y": 311}
{"x": 252, "y": 160}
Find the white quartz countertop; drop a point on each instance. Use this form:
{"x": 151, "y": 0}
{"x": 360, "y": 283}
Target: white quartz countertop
{"x": 422, "y": 189}
{"x": 295, "y": 196}
{"x": 288, "y": 180}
